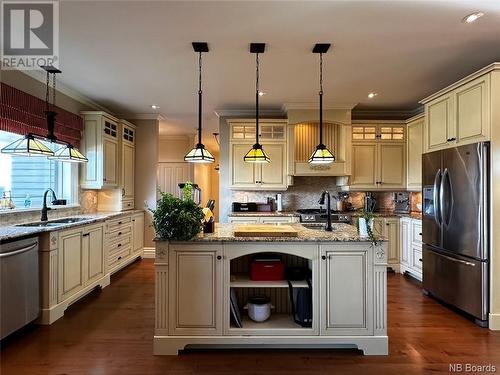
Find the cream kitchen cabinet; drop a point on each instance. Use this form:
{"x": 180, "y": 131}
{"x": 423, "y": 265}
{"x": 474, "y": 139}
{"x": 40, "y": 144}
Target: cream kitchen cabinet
{"x": 459, "y": 114}
{"x": 378, "y": 166}
{"x": 414, "y": 153}
{"x": 388, "y": 227}
{"x": 347, "y": 307}
{"x": 195, "y": 290}
{"x": 127, "y": 157}
{"x": 137, "y": 232}
{"x": 258, "y": 176}
{"x": 411, "y": 247}
{"x": 100, "y": 144}
{"x": 81, "y": 259}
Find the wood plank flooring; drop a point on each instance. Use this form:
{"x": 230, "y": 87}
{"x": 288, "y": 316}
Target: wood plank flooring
{"x": 110, "y": 332}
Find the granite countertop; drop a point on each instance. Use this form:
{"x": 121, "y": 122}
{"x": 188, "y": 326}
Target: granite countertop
{"x": 340, "y": 233}
{"x": 272, "y": 213}
{"x": 10, "y": 232}
{"x": 413, "y": 215}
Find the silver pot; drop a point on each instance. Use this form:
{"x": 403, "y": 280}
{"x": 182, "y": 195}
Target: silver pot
{"x": 259, "y": 308}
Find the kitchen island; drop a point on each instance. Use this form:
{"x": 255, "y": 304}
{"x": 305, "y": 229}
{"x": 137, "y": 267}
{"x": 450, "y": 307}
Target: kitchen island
{"x": 197, "y": 281}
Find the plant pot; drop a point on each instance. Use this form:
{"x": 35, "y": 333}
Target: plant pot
{"x": 362, "y": 225}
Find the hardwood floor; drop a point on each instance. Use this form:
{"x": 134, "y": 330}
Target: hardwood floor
{"x": 110, "y": 332}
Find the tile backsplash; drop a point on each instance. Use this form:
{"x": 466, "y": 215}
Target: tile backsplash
{"x": 306, "y": 191}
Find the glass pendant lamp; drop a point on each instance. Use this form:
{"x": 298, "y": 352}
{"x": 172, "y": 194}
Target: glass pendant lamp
{"x": 199, "y": 154}
{"x": 321, "y": 155}
{"x": 28, "y": 145}
{"x": 256, "y": 153}
{"x": 69, "y": 154}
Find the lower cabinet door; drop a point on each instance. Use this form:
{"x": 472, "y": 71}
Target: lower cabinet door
{"x": 347, "y": 296}
{"x": 93, "y": 239}
{"x": 195, "y": 290}
{"x": 71, "y": 264}
{"x": 405, "y": 241}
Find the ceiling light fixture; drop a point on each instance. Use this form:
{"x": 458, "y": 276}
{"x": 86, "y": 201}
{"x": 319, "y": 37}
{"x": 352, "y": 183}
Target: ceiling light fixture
{"x": 472, "y": 17}
{"x": 199, "y": 154}
{"x": 322, "y": 155}
{"x": 154, "y": 106}
{"x": 256, "y": 153}
{"x": 372, "y": 95}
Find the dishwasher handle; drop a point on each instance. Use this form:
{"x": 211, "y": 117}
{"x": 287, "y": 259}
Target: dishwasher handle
{"x": 19, "y": 251}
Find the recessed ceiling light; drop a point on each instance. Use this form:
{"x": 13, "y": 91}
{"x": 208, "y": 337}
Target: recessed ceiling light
{"x": 372, "y": 95}
{"x": 472, "y": 17}
{"x": 262, "y": 93}
{"x": 154, "y": 106}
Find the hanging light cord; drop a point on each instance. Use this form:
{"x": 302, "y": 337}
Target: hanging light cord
{"x": 53, "y": 91}
{"x": 257, "y": 99}
{"x": 199, "y": 100}
{"x": 321, "y": 98}
{"x": 47, "y": 86}
{"x": 48, "y": 105}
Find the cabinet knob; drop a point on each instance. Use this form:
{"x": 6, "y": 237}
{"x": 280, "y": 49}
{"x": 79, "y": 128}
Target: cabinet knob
{"x": 86, "y": 234}
{"x": 119, "y": 257}
{"x": 119, "y": 223}
{"x": 119, "y": 233}
{"x": 420, "y": 234}
{"x": 419, "y": 259}
{"x": 451, "y": 139}
{"x": 104, "y": 178}
{"x": 219, "y": 257}
{"x": 119, "y": 245}
{"x": 387, "y": 224}
{"x": 323, "y": 257}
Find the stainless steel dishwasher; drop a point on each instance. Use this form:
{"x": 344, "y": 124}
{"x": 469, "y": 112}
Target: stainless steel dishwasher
{"x": 20, "y": 284}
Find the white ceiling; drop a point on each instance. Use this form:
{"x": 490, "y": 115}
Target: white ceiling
{"x": 129, "y": 55}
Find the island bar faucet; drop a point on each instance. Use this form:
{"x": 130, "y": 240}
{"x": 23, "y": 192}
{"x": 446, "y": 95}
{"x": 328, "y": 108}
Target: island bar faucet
{"x": 55, "y": 202}
{"x": 328, "y": 209}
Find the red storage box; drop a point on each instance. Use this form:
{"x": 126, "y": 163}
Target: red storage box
{"x": 267, "y": 270}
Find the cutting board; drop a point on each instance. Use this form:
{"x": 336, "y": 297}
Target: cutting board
{"x": 263, "y": 230}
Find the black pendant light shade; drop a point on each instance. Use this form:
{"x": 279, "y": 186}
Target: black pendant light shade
{"x": 256, "y": 153}
{"x": 321, "y": 155}
{"x": 199, "y": 154}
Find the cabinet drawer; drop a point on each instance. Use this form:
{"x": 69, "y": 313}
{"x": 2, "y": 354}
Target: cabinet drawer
{"x": 115, "y": 224}
{"x": 115, "y": 259}
{"x": 416, "y": 229}
{"x": 127, "y": 204}
{"x": 119, "y": 245}
{"x": 417, "y": 257}
{"x": 122, "y": 231}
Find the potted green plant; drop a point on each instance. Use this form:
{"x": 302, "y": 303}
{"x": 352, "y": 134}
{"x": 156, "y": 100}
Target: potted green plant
{"x": 175, "y": 218}
{"x": 365, "y": 225}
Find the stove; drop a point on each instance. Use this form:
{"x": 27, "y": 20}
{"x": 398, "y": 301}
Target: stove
{"x": 316, "y": 215}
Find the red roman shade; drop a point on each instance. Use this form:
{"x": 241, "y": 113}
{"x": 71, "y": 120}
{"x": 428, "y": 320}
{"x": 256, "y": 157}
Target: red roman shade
{"x": 23, "y": 113}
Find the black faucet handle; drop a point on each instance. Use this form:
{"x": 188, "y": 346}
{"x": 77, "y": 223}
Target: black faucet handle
{"x": 59, "y": 202}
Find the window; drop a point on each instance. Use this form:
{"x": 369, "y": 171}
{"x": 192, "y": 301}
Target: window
{"x": 21, "y": 176}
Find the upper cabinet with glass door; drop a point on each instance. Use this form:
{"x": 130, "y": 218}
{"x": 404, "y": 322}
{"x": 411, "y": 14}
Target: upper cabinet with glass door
{"x": 379, "y": 132}
{"x": 461, "y": 113}
{"x": 100, "y": 143}
{"x": 257, "y": 176}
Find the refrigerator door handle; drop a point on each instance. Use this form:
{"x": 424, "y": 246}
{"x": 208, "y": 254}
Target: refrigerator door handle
{"x": 464, "y": 262}
{"x": 436, "y": 197}
{"x": 448, "y": 198}
{"x": 442, "y": 198}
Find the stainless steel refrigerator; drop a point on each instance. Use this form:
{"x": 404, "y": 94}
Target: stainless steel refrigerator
{"x": 455, "y": 229}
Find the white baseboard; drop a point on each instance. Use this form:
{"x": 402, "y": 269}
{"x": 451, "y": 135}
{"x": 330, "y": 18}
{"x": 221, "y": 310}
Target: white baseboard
{"x": 494, "y": 323}
{"x": 149, "y": 252}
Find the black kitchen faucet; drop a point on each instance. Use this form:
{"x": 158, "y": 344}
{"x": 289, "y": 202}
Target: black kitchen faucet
{"x": 328, "y": 209}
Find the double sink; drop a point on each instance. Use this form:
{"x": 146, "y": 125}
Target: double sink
{"x": 53, "y": 223}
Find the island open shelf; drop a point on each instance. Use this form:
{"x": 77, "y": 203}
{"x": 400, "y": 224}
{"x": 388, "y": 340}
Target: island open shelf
{"x": 243, "y": 281}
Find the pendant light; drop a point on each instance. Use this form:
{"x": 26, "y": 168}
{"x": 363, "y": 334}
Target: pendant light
{"x": 66, "y": 153}
{"x": 256, "y": 153}
{"x": 322, "y": 155}
{"x": 35, "y": 145}
{"x": 199, "y": 154}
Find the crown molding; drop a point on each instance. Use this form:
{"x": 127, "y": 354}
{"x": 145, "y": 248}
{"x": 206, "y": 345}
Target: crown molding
{"x": 143, "y": 116}
{"x": 416, "y": 117}
{"x": 248, "y": 113}
{"x": 369, "y": 114}
{"x": 40, "y": 76}
{"x": 487, "y": 69}
{"x": 314, "y": 105}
